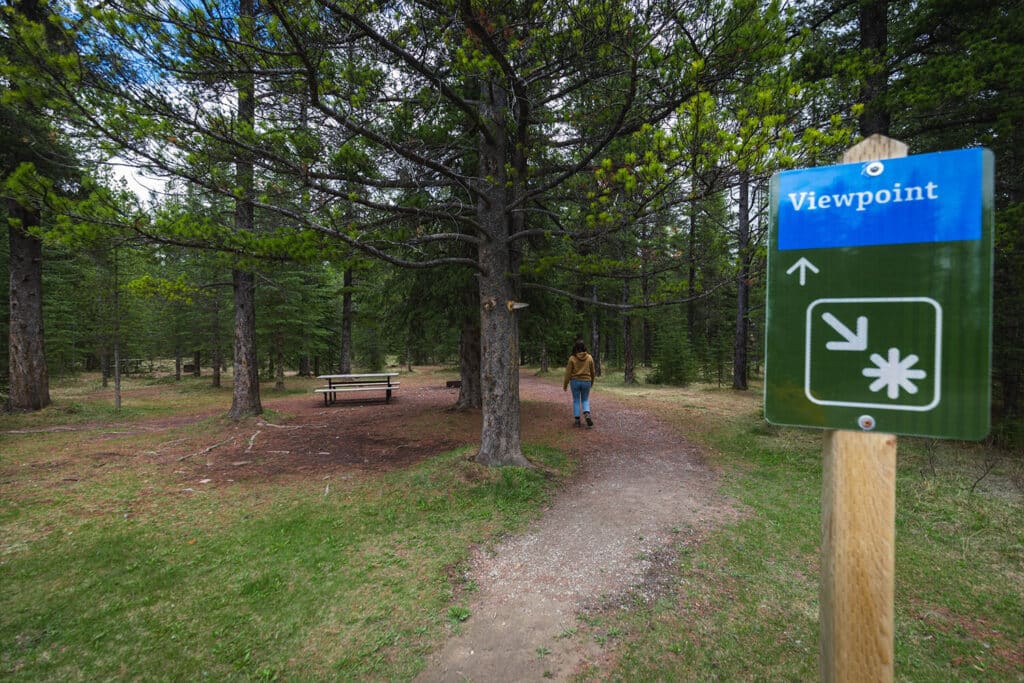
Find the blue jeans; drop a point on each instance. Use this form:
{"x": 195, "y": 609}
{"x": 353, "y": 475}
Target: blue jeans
{"x": 580, "y": 396}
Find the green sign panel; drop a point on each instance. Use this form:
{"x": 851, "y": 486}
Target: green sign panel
{"x": 879, "y": 310}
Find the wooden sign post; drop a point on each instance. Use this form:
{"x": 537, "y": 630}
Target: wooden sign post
{"x": 858, "y": 516}
{"x": 858, "y": 532}
{"x": 878, "y": 317}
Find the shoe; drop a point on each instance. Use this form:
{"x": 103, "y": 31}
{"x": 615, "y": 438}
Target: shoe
{"x": 590, "y": 423}
{"x": 575, "y": 422}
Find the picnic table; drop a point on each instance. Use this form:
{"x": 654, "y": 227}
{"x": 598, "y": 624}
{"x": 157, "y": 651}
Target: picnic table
{"x": 371, "y": 381}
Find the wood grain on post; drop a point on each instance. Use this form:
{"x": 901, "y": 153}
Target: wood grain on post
{"x": 858, "y": 531}
{"x": 858, "y": 516}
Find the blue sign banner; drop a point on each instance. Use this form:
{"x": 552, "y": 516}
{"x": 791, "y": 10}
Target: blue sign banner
{"x": 916, "y": 199}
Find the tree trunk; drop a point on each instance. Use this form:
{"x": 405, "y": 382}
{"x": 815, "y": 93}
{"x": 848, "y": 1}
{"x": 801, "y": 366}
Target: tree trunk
{"x": 739, "y": 343}
{"x": 30, "y": 381}
{"x": 245, "y": 398}
{"x": 345, "y": 361}
{"x": 544, "y": 361}
{"x": 500, "y": 443}
{"x": 874, "y": 38}
{"x": 499, "y": 362}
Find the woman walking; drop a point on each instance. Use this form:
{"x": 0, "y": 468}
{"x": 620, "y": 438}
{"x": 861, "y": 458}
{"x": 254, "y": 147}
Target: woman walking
{"x": 579, "y": 373}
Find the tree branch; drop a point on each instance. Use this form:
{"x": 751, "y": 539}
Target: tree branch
{"x": 624, "y": 307}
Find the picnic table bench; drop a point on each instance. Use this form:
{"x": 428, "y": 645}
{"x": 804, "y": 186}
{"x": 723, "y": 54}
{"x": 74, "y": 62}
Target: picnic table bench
{"x": 373, "y": 381}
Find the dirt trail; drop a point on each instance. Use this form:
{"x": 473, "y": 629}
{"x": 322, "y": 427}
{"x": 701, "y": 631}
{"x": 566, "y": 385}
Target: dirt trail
{"x": 641, "y": 489}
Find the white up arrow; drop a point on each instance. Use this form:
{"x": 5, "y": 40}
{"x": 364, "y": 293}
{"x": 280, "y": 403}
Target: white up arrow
{"x": 855, "y": 341}
{"x": 804, "y": 265}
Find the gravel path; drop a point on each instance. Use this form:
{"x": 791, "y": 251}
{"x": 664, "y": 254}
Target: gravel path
{"x": 640, "y": 486}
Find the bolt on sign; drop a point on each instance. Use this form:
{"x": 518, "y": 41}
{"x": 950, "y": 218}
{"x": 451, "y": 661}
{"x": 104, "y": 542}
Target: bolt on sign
{"x": 879, "y": 310}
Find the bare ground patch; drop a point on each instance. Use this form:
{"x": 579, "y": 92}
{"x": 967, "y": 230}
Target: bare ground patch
{"x": 608, "y": 537}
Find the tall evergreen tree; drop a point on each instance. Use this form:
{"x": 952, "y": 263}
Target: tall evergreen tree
{"x": 30, "y": 145}
{"x": 396, "y": 83}
{"x": 245, "y": 395}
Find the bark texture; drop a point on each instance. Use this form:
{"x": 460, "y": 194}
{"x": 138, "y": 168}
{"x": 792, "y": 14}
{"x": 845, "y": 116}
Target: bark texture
{"x": 500, "y": 443}
{"x": 499, "y": 365}
{"x": 245, "y": 399}
{"x": 30, "y": 381}
{"x": 245, "y": 396}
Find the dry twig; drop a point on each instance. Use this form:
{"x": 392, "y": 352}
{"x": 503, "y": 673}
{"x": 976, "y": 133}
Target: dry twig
{"x": 205, "y": 450}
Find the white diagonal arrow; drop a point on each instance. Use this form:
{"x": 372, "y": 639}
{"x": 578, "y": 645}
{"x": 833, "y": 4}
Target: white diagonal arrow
{"x": 804, "y": 265}
{"x": 854, "y": 341}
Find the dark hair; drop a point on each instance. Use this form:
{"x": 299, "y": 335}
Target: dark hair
{"x": 578, "y": 346}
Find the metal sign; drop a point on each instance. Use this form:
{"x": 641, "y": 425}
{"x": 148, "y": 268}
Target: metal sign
{"x": 880, "y": 296}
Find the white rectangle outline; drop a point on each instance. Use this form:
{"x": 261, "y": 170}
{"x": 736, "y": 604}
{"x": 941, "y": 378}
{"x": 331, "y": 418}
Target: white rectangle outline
{"x": 885, "y": 406}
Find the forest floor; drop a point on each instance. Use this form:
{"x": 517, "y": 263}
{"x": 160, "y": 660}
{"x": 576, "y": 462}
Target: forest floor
{"x": 358, "y": 541}
{"x": 608, "y": 537}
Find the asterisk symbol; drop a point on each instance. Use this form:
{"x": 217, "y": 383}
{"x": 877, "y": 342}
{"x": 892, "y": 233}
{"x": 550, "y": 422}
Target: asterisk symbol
{"x": 894, "y": 374}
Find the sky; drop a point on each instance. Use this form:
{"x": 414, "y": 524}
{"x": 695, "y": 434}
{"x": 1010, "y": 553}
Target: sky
{"x": 142, "y": 184}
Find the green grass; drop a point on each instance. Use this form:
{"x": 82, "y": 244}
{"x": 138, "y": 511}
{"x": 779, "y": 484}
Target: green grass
{"x": 745, "y": 602}
{"x": 82, "y": 399}
{"x": 297, "y": 583}
{"x": 124, "y": 576}
{"x": 111, "y": 572}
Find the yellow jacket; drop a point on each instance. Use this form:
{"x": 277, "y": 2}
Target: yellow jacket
{"x": 580, "y": 366}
